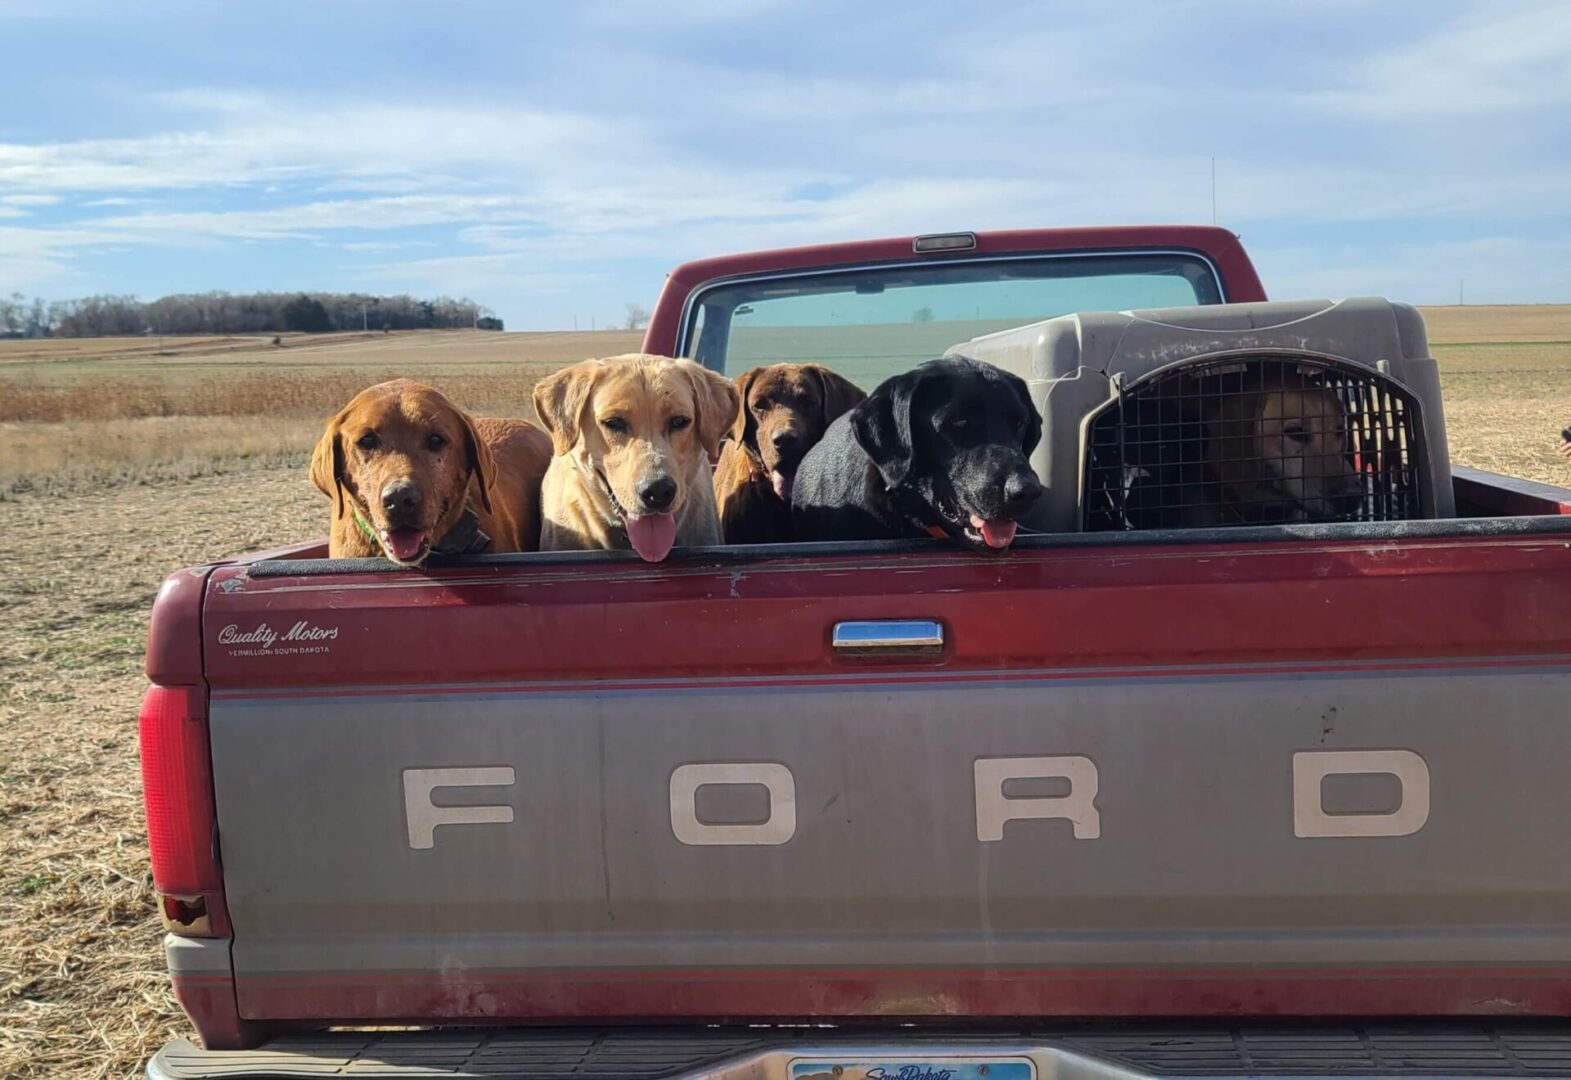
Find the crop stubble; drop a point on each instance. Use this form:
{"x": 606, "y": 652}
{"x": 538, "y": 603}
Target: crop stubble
{"x": 136, "y": 459}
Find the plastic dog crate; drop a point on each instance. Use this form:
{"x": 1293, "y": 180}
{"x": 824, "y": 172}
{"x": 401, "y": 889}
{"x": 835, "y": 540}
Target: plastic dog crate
{"x": 1232, "y": 414}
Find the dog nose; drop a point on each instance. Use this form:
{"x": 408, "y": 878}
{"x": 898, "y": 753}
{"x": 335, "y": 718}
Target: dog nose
{"x": 1021, "y": 490}
{"x": 786, "y": 441}
{"x": 658, "y": 494}
{"x": 400, "y": 497}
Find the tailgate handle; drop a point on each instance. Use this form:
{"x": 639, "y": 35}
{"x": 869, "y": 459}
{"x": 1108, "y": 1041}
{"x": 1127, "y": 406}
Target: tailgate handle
{"x": 888, "y": 637}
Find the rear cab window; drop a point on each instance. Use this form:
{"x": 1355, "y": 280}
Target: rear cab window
{"x": 869, "y": 323}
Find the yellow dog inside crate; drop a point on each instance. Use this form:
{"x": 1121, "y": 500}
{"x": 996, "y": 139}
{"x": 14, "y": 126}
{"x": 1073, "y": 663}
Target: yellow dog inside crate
{"x": 1237, "y": 414}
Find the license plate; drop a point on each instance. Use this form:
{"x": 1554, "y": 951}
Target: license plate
{"x": 953, "y": 1068}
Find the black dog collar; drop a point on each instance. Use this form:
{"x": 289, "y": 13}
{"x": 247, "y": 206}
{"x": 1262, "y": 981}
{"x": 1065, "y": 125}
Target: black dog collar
{"x": 464, "y": 538}
{"x": 920, "y": 514}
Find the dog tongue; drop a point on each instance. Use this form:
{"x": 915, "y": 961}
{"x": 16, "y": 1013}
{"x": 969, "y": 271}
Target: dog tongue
{"x": 405, "y": 543}
{"x": 996, "y": 534}
{"x": 782, "y": 484}
{"x": 651, "y": 535}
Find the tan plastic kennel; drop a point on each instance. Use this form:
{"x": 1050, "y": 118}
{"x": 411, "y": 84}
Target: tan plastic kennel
{"x": 1232, "y": 414}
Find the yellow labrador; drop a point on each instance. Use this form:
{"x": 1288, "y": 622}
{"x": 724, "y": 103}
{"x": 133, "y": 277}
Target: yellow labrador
{"x": 1280, "y": 454}
{"x": 633, "y": 437}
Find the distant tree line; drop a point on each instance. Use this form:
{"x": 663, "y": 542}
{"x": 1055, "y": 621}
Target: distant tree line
{"x": 236, "y": 313}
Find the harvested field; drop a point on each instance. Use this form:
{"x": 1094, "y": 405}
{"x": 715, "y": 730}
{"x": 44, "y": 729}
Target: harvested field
{"x": 439, "y": 348}
{"x": 1505, "y": 405}
{"x": 1506, "y": 371}
{"x": 123, "y": 460}
{"x": 74, "y": 414}
{"x": 82, "y": 991}
{"x": 1496, "y": 323}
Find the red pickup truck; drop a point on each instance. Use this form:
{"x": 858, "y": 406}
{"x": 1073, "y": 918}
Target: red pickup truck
{"x": 1128, "y": 799}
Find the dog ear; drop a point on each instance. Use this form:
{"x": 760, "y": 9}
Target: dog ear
{"x": 716, "y": 401}
{"x": 840, "y": 394}
{"x": 1231, "y": 425}
{"x": 560, "y": 399}
{"x": 745, "y": 429}
{"x": 882, "y": 426}
{"x": 1033, "y": 432}
{"x": 482, "y": 464}
{"x": 327, "y": 463}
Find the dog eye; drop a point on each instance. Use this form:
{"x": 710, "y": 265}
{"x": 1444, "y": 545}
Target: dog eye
{"x": 1296, "y": 433}
{"x": 368, "y": 441}
{"x": 958, "y": 423}
{"x": 615, "y": 425}
{"x": 678, "y": 423}
{"x": 763, "y": 404}
{"x": 435, "y": 442}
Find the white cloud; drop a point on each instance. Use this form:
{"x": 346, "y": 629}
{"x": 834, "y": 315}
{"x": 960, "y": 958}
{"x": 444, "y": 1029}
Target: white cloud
{"x": 378, "y": 246}
{"x": 999, "y": 117}
{"x": 645, "y": 15}
{"x": 304, "y": 221}
{"x": 249, "y": 143}
{"x": 211, "y": 99}
{"x": 32, "y": 259}
{"x": 1503, "y": 58}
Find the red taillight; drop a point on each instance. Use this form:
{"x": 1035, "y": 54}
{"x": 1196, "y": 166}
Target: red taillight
{"x": 177, "y": 790}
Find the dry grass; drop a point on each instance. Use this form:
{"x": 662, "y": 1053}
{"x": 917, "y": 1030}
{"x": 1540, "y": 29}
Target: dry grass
{"x": 83, "y": 990}
{"x": 1507, "y": 375}
{"x": 423, "y": 348}
{"x": 75, "y": 414}
{"x": 1505, "y": 404}
{"x": 242, "y": 393}
{"x": 79, "y": 455}
{"x": 1497, "y": 323}
{"x": 1510, "y": 423}
{"x": 49, "y": 350}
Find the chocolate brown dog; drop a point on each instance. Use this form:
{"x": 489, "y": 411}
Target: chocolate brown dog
{"x": 785, "y": 410}
{"x": 411, "y": 473}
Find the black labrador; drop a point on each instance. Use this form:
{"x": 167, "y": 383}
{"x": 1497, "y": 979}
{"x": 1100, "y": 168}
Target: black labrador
{"x": 939, "y": 450}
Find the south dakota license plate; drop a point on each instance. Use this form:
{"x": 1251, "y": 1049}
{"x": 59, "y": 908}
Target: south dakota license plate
{"x": 914, "y": 1069}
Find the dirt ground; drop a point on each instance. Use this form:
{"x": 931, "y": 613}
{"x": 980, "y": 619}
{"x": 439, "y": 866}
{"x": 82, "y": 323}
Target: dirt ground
{"x": 83, "y": 990}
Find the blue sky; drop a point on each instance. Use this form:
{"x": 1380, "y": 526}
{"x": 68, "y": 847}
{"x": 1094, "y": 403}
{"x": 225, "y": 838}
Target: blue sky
{"x": 554, "y": 160}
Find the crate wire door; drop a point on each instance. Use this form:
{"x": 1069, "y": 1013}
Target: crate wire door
{"x": 1254, "y": 441}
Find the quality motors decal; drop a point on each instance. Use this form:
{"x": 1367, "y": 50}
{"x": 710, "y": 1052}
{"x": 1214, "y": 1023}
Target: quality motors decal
{"x": 264, "y": 640}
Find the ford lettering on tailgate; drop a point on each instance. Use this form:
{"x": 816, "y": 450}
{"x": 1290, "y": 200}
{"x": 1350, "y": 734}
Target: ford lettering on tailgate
{"x": 995, "y": 806}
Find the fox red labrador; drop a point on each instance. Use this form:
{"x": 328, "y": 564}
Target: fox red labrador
{"x": 410, "y": 473}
